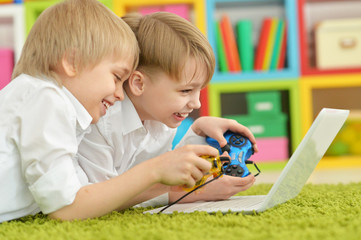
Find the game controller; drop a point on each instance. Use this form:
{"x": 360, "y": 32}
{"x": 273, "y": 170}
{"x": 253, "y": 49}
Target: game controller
{"x": 239, "y": 148}
{"x": 216, "y": 170}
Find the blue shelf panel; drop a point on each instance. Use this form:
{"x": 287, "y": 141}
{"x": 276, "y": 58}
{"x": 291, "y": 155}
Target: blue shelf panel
{"x": 253, "y": 76}
{"x": 290, "y": 13}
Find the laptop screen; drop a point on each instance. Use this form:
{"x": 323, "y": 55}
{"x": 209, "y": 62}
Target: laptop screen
{"x": 307, "y": 155}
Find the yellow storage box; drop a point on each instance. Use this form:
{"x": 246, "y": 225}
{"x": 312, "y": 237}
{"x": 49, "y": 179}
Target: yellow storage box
{"x": 338, "y": 43}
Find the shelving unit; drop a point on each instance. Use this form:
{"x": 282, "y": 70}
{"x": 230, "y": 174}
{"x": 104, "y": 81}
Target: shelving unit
{"x": 256, "y": 11}
{"x": 309, "y": 89}
{"x": 312, "y": 12}
{"x": 334, "y": 87}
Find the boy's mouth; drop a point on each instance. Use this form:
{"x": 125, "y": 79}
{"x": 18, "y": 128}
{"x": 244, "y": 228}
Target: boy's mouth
{"x": 106, "y": 104}
{"x": 182, "y": 115}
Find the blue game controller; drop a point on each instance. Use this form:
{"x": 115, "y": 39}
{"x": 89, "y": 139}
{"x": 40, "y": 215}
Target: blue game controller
{"x": 239, "y": 149}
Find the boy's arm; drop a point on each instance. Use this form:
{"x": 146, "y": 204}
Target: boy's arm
{"x": 98, "y": 199}
{"x": 182, "y": 166}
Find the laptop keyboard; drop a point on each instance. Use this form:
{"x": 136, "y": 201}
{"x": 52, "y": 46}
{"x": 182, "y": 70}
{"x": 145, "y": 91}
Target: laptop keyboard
{"x": 237, "y": 203}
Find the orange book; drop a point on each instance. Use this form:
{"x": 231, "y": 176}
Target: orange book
{"x": 230, "y": 44}
{"x": 262, "y": 44}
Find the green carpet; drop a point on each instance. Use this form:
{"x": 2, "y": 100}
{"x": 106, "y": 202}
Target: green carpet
{"x": 319, "y": 212}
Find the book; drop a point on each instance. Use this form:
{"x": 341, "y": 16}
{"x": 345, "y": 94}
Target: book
{"x": 283, "y": 50}
{"x": 230, "y": 44}
{"x": 262, "y": 43}
{"x": 245, "y": 46}
{"x": 221, "y": 55}
{"x": 270, "y": 44}
{"x": 277, "y": 45}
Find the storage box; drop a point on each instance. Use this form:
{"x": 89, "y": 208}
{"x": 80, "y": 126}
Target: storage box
{"x": 264, "y": 126}
{"x": 271, "y": 150}
{"x": 268, "y": 102}
{"x": 7, "y": 65}
{"x": 338, "y": 43}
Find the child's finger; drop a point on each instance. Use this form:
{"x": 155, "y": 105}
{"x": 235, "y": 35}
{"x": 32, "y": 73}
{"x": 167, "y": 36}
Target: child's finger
{"x": 202, "y": 150}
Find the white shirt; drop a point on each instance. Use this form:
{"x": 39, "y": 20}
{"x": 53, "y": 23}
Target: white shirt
{"x": 120, "y": 141}
{"x": 41, "y": 126}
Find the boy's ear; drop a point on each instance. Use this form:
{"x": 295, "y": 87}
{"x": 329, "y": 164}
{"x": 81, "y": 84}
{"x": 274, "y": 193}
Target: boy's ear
{"x": 68, "y": 65}
{"x": 136, "y": 83}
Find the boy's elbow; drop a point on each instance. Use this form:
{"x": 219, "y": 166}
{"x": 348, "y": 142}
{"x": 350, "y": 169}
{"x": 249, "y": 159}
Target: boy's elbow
{"x": 58, "y": 216}
{"x": 62, "y": 215}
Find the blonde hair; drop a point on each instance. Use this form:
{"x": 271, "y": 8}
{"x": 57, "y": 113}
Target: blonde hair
{"x": 86, "y": 30}
{"x": 167, "y": 41}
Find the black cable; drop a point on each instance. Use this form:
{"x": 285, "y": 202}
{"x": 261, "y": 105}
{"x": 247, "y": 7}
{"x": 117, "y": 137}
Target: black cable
{"x": 185, "y": 195}
{"x": 255, "y": 165}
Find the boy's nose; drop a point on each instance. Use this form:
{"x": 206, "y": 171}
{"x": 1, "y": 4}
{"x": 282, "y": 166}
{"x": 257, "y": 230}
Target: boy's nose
{"x": 195, "y": 103}
{"x": 119, "y": 94}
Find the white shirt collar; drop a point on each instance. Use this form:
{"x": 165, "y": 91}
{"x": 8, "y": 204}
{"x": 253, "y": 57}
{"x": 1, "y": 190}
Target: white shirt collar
{"x": 83, "y": 117}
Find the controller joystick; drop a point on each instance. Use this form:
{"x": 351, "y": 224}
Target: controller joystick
{"x": 239, "y": 149}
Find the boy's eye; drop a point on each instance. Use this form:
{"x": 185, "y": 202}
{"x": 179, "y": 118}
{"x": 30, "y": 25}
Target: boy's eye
{"x": 117, "y": 77}
{"x": 186, "y": 90}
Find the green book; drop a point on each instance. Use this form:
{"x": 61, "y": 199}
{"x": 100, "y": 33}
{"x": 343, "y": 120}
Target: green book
{"x": 245, "y": 46}
{"x": 277, "y": 45}
{"x": 222, "y": 62}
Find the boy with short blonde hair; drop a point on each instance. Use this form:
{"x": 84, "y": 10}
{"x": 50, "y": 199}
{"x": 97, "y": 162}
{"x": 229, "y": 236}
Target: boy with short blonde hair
{"x": 72, "y": 69}
{"x": 176, "y": 62}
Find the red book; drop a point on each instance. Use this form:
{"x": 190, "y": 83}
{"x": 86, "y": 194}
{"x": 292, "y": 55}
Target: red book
{"x": 262, "y": 44}
{"x": 281, "y": 61}
{"x": 230, "y": 44}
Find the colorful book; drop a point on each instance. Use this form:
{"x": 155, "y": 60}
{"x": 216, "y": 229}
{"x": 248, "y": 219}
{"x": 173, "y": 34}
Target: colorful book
{"x": 282, "y": 58}
{"x": 179, "y": 9}
{"x": 262, "y": 43}
{"x": 277, "y": 45}
{"x": 230, "y": 44}
{"x": 221, "y": 55}
{"x": 245, "y": 46}
{"x": 270, "y": 44}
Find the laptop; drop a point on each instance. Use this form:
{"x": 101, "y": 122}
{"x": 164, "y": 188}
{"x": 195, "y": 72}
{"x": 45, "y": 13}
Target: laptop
{"x": 293, "y": 177}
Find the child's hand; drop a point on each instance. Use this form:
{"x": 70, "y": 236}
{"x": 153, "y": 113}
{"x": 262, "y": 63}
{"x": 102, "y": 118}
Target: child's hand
{"x": 184, "y": 166}
{"x": 220, "y": 189}
{"x": 215, "y": 127}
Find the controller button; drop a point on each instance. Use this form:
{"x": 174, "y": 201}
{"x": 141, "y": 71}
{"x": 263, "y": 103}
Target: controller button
{"x": 234, "y": 166}
{"x": 240, "y": 171}
{"x": 228, "y": 170}
{"x": 226, "y": 148}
